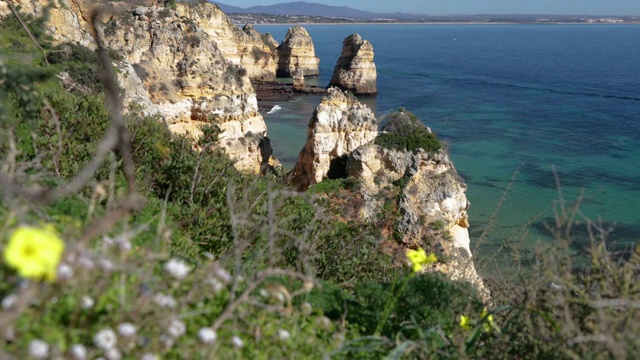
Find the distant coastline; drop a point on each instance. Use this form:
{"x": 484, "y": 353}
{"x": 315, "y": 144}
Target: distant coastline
{"x": 272, "y": 19}
{"x": 440, "y": 23}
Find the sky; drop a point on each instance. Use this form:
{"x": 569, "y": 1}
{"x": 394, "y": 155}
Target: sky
{"x": 470, "y": 7}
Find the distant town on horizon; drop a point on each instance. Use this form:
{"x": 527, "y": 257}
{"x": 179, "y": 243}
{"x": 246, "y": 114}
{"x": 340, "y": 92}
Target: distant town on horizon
{"x": 307, "y": 12}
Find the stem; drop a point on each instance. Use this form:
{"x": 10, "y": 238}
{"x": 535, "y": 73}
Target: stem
{"x": 391, "y": 303}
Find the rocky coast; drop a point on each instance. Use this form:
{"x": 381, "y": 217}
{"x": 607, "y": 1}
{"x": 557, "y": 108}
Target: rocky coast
{"x": 192, "y": 67}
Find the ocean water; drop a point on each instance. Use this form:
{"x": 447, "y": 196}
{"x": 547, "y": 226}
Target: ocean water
{"x": 519, "y": 102}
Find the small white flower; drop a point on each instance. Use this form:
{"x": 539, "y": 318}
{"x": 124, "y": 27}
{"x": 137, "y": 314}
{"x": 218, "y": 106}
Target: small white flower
{"x": 307, "y": 308}
{"x": 105, "y": 339}
{"x": 127, "y": 329}
{"x": 324, "y": 322}
{"x": 264, "y": 293}
{"x": 108, "y": 241}
{"x": 215, "y": 284}
{"x": 38, "y": 349}
{"x": 165, "y": 300}
{"x": 176, "y": 328}
{"x": 65, "y": 271}
{"x": 124, "y": 246}
{"x": 113, "y": 354}
{"x": 222, "y": 274}
{"x": 207, "y": 335}
{"x": 283, "y": 335}
{"x": 106, "y": 265}
{"x": 87, "y": 302}
{"x": 279, "y": 296}
{"x": 167, "y": 340}
{"x": 177, "y": 268}
{"x": 149, "y": 356}
{"x": 78, "y": 352}
{"x": 9, "y": 301}
{"x": 86, "y": 262}
{"x": 237, "y": 342}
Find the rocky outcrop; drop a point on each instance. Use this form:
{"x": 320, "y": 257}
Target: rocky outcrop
{"x": 191, "y": 66}
{"x": 266, "y": 40}
{"x": 4, "y": 9}
{"x": 174, "y": 68}
{"x": 340, "y": 125}
{"x": 297, "y": 51}
{"x": 429, "y": 203}
{"x": 66, "y": 21}
{"x": 355, "y": 70}
{"x": 237, "y": 46}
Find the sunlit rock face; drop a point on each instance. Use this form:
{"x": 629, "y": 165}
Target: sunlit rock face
{"x": 297, "y": 52}
{"x": 430, "y": 199}
{"x": 245, "y": 48}
{"x": 339, "y": 126}
{"x": 67, "y": 20}
{"x": 175, "y": 68}
{"x": 355, "y": 70}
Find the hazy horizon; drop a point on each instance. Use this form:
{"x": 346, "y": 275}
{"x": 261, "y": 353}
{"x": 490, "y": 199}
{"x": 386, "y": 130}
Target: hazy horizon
{"x": 474, "y": 7}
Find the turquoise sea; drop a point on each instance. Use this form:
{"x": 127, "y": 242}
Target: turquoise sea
{"x": 511, "y": 101}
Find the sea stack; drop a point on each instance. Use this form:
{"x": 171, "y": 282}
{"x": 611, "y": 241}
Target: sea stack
{"x": 297, "y": 51}
{"x": 422, "y": 191}
{"x": 340, "y": 125}
{"x": 355, "y": 70}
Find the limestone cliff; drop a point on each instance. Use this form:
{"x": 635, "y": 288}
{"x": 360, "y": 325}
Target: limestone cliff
{"x": 174, "y": 67}
{"x": 237, "y": 46}
{"x": 355, "y": 70}
{"x": 428, "y": 203}
{"x": 297, "y": 51}
{"x": 266, "y": 40}
{"x": 340, "y": 124}
{"x": 66, "y": 21}
{"x": 171, "y": 63}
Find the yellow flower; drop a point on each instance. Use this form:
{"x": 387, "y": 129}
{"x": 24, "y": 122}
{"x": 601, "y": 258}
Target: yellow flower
{"x": 465, "y": 322}
{"x": 34, "y": 252}
{"x": 419, "y": 259}
{"x": 488, "y": 322}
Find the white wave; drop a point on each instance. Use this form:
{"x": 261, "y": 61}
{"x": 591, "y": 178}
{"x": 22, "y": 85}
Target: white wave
{"x": 274, "y": 109}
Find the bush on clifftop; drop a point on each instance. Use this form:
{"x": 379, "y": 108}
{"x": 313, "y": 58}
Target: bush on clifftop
{"x": 404, "y": 132}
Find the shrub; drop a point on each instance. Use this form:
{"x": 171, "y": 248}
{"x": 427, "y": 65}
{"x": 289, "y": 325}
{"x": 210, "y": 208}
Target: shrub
{"x": 403, "y": 131}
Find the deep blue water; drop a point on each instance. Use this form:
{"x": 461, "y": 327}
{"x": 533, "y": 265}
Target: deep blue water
{"x": 510, "y": 100}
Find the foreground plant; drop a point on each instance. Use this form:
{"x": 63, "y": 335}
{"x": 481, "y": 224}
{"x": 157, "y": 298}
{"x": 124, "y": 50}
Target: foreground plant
{"x": 34, "y": 252}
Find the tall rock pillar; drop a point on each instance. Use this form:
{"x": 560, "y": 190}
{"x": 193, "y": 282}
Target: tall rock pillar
{"x": 355, "y": 70}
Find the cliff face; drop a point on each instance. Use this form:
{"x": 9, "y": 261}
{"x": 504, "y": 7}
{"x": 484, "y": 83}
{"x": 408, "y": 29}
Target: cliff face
{"x": 175, "y": 68}
{"x": 66, "y": 21}
{"x": 355, "y": 70}
{"x": 339, "y": 126}
{"x": 429, "y": 204}
{"x": 297, "y": 51}
{"x": 171, "y": 64}
{"x": 266, "y": 40}
{"x": 237, "y": 46}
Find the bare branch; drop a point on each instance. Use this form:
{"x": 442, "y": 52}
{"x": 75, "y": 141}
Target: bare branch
{"x": 26, "y": 28}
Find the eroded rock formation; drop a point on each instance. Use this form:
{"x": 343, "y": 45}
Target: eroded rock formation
{"x": 297, "y": 51}
{"x": 67, "y": 20}
{"x": 173, "y": 66}
{"x": 266, "y": 40}
{"x": 340, "y": 124}
{"x": 355, "y": 70}
{"x": 237, "y": 46}
{"x": 186, "y": 65}
{"x": 430, "y": 203}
